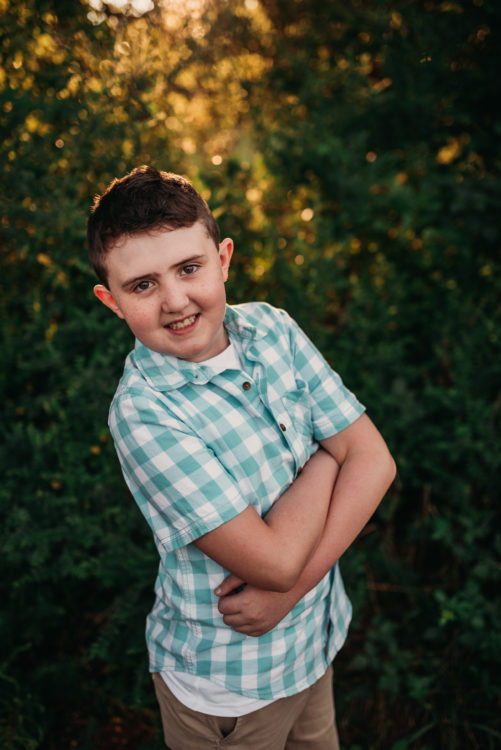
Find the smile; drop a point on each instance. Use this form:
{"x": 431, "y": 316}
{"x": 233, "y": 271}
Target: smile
{"x": 178, "y": 325}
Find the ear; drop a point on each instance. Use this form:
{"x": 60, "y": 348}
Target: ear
{"x": 105, "y": 296}
{"x": 225, "y": 253}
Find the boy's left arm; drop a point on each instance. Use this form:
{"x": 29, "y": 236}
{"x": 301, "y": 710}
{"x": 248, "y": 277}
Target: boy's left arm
{"x": 366, "y": 471}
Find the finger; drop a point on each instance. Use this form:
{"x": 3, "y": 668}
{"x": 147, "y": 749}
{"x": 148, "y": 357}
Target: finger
{"x": 229, "y": 584}
{"x": 228, "y": 606}
{"x": 243, "y": 628}
{"x": 237, "y": 622}
{"x": 250, "y": 631}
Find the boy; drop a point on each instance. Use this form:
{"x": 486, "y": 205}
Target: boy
{"x": 217, "y": 423}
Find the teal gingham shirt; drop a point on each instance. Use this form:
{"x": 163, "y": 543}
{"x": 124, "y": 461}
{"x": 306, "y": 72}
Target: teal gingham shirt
{"x": 196, "y": 448}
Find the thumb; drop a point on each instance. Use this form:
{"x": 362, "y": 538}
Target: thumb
{"x": 229, "y": 585}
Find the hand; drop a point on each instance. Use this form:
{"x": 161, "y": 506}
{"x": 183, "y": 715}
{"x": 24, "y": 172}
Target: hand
{"x": 251, "y": 610}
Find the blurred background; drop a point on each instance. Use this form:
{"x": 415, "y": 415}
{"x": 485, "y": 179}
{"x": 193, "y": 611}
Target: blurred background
{"x": 351, "y": 149}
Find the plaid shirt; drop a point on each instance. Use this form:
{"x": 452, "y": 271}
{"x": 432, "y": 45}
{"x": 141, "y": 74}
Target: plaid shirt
{"x": 196, "y": 448}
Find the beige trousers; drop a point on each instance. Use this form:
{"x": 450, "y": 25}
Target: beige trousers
{"x": 305, "y": 721}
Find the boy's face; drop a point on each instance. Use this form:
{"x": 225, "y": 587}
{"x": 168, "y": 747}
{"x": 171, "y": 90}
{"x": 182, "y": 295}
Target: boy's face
{"x": 169, "y": 288}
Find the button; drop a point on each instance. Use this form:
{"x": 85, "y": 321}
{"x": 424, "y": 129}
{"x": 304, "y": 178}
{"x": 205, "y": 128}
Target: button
{"x": 246, "y": 386}
{"x": 282, "y": 427}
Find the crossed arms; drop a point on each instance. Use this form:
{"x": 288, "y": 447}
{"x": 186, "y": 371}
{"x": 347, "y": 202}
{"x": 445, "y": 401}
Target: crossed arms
{"x": 307, "y": 530}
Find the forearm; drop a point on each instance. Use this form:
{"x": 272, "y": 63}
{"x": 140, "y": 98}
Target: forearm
{"x": 361, "y": 484}
{"x": 298, "y": 517}
{"x": 311, "y": 491}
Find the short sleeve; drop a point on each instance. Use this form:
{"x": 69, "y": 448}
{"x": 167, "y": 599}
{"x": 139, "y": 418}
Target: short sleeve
{"x": 333, "y": 406}
{"x": 180, "y": 486}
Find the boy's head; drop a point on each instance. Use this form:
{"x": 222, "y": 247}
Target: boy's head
{"x": 155, "y": 245}
{"x": 146, "y": 199}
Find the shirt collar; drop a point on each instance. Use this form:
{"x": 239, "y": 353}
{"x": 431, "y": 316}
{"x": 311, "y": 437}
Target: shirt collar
{"x": 165, "y": 372}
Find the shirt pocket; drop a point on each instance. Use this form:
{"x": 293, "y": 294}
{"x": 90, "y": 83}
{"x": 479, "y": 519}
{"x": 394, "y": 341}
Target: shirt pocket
{"x": 297, "y": 404}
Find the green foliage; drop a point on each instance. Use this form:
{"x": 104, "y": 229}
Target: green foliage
{"x": 350, "y": 149}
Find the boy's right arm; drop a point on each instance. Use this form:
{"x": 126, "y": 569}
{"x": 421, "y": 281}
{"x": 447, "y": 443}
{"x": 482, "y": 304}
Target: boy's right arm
{"x": 272, "y": 553}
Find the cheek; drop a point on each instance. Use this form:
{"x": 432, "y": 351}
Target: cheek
{"x": 214, "y": 295}
{"x": 139, "y": 317}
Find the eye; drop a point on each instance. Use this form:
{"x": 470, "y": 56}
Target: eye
{"x": 190, "y": 269}
{"x": 142, "y": 286}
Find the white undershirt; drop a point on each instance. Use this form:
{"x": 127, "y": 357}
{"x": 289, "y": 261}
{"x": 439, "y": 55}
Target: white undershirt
{"x": 228, "y": 359}
{"x": 208, "y": 697}
{"x": 196, "y": 692}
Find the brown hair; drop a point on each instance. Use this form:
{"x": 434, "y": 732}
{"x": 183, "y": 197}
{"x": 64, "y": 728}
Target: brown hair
{"x": 143, "y": 200}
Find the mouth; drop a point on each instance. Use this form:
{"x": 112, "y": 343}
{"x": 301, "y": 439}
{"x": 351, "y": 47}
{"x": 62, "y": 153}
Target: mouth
{"x": 181, "y": 325}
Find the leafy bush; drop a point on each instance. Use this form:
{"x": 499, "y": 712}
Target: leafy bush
{"x": 351, "y": 152}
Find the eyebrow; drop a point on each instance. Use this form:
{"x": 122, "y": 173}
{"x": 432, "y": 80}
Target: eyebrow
{"x": 154, "y": 275}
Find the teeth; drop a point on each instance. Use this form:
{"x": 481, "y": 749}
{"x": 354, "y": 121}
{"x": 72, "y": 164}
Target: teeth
{"x": 182, "y": 323}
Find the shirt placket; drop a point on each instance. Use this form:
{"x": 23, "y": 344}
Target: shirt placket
{"x": 275, "y": 407}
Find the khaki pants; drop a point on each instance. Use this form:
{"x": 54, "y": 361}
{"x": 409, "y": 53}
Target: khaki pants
{"x": 305, "y": 721}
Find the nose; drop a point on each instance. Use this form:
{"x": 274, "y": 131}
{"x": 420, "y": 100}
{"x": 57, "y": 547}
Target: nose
{"x": 174, "y": 297}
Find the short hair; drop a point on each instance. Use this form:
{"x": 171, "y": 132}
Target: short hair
{"x": 144, "y": 200}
